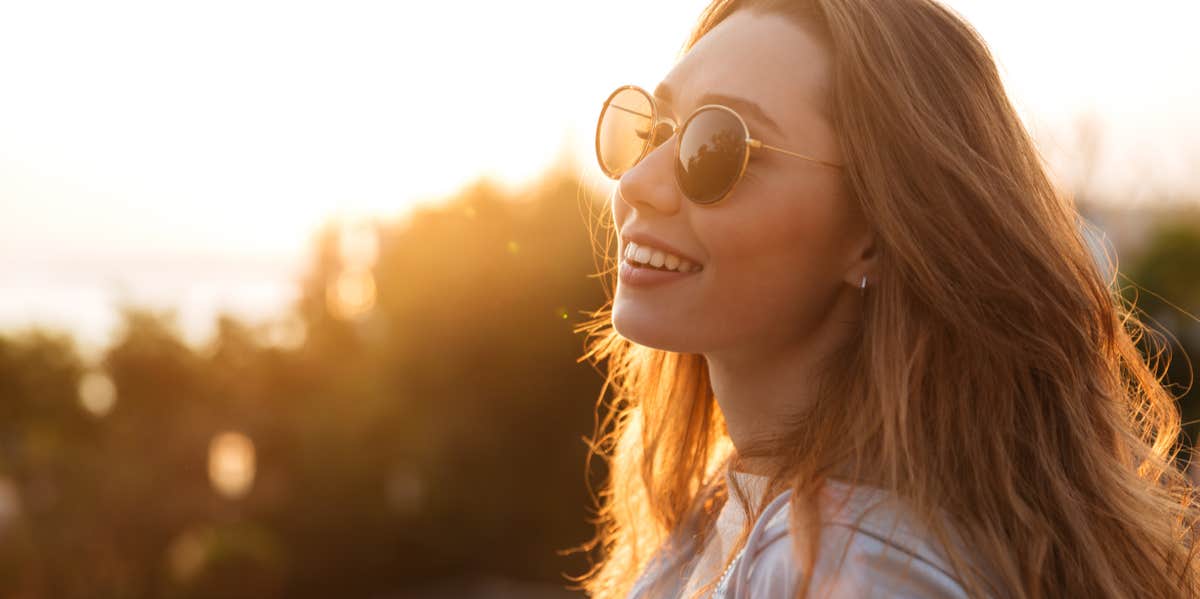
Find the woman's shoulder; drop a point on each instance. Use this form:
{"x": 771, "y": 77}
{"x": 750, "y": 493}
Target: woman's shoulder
{"x": 869, "y": 547}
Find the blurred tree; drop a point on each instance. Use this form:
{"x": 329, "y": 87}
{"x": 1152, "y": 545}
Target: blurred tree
{"x": 1166, "y": 277}
{"x": 432, "y": 433}
{"x": 42, "y": 432}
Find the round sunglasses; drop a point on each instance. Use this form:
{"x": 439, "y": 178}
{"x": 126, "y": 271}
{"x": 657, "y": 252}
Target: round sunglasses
{"x": 712, "y": 147}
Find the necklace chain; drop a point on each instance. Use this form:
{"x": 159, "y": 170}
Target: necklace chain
{"x": 719, "y": 592}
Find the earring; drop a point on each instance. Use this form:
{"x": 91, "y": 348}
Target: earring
{"x": 863, "y": 286}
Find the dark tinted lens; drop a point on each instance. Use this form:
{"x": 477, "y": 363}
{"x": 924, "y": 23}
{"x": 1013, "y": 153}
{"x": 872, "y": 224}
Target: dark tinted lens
{"x": 712, "y": 150}
{"x": 622, "y": 132}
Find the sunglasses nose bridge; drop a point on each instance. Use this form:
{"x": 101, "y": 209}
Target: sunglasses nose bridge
{"x": 664, "y": 130}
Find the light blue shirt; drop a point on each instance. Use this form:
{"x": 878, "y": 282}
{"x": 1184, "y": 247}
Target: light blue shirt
{"x": 885, "y": 557}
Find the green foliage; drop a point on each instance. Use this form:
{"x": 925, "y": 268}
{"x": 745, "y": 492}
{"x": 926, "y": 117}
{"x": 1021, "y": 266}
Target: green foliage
{"x": 1166, "y": 289}
{"x": 438, "y": 435}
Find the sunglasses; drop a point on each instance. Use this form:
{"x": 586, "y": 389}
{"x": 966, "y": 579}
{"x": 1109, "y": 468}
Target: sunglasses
{"x": 712, "y": 147}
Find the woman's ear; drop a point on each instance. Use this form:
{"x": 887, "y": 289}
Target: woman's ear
{"x": 863, "y": 257}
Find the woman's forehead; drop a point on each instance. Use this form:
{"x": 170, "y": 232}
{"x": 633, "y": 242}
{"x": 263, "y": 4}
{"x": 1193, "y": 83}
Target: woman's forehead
{"x": 764, "y": 58}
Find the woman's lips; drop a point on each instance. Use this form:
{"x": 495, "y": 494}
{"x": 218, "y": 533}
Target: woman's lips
{"x": 645, "y": 276}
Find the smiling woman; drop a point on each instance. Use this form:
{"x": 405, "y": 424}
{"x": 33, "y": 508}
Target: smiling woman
{"x": 857, "y": 342}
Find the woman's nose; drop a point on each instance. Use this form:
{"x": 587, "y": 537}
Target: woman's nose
{"x": 650, "y": 184}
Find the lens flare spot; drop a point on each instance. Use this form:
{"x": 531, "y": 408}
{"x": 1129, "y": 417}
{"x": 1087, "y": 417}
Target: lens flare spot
{"x": 188, "y": 553}
{"x": 358, "y": 245}
{"x": 351, "y": 294}
{"x": 513, "y": 247}
{"x": 97, "y": 394}
{"x": 231, "y": 464}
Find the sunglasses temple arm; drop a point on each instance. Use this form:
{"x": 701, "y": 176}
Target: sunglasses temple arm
{"x": 622, "y": 108}
{"x": 754, "y": 143}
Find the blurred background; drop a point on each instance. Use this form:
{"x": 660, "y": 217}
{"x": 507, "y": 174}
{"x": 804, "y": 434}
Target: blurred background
{"x": 288, "y": 289}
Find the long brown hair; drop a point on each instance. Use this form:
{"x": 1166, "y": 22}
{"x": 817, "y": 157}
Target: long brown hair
{"x": 995, "y": 377}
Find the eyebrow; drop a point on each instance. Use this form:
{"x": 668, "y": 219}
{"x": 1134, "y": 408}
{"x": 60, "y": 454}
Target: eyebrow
{"x": 742, "y": 105}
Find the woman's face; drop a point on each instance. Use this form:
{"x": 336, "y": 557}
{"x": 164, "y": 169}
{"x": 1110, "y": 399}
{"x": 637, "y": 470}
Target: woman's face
{"x": 777, "y": 254}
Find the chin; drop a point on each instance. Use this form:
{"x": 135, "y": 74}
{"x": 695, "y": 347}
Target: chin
{"x": 651, "y": 329}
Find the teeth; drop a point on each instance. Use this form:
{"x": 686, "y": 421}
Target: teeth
{"x": 644, "y": 255}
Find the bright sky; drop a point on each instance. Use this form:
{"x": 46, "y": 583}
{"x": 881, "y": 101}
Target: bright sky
{"x": 183, "y": 154}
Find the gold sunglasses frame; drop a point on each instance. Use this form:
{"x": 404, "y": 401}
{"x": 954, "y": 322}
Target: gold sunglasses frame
{"x": 751, "y": 142}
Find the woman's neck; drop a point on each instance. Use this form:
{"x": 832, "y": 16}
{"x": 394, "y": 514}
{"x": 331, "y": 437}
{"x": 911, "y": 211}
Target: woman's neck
{"x": 760, "y": 386}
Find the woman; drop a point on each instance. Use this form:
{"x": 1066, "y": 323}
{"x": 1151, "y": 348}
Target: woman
{"x": 876, "y": 359}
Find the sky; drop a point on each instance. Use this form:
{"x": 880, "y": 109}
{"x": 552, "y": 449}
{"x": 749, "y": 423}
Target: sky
{"x": 183, "y": 155}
